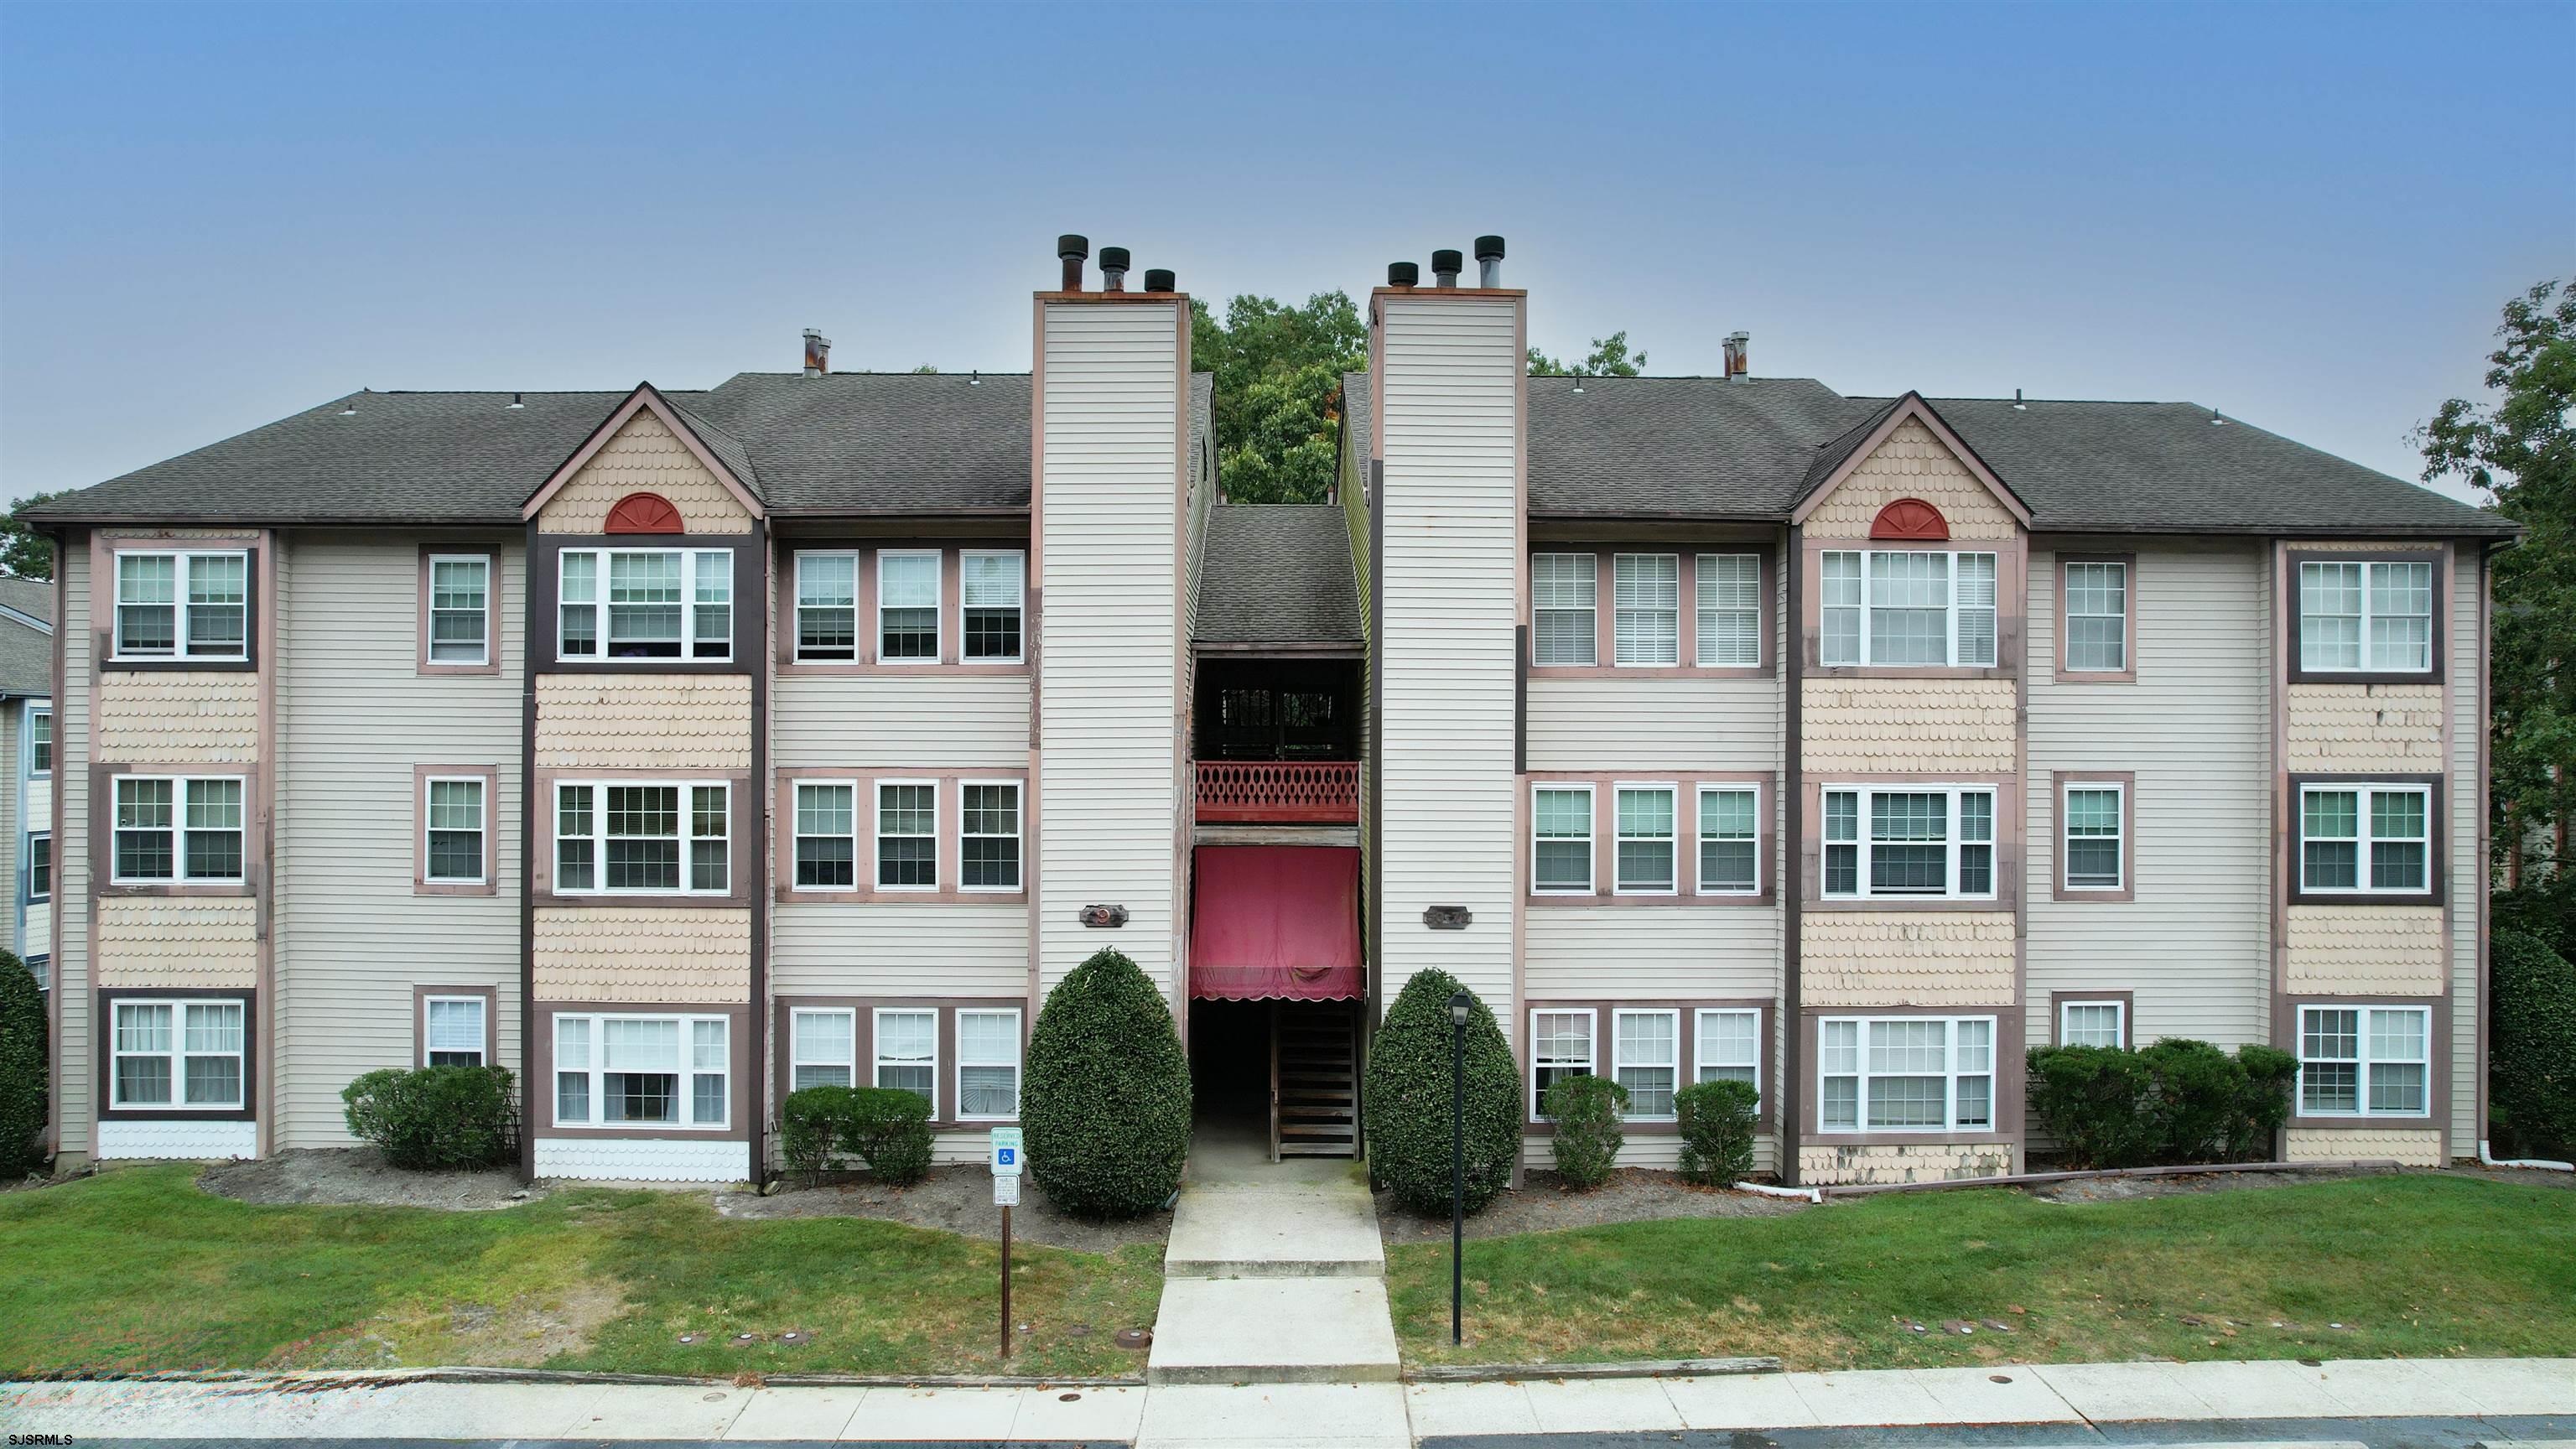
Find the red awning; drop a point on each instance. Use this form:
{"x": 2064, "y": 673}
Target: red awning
{"x": 1276, "y": 921}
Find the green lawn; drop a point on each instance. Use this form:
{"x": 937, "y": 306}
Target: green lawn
{"x": 2412, "y": 1265}
{"x": 137, "y": 1269}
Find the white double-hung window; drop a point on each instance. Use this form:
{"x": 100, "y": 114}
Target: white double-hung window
{"x": 1646, "y": 599}
{"x": 452, "y": 1031}
{"x": 907, "y": 835}
{"x": 988, "y": 1065}
{"x": 1646, "y": 841}
{"x": 178, "y": 830}
{"x": 1730, "y": 838}
{"x": 822, "y": 1048}
{"x": 452, "y": 828}
{"x": 1564, "y": 596}
{"x": 460, "y": 608}
{"x": 907, "y": 1051}
{"x": 1561, "y": 839}
{"x": 990, "y": 596}
{"x": 2366, "y": 616}
{"x": 1892, "y": 842}
{"x": 2097, "y": 617}
{"x": 1905, "y": 1074}
{"x": 658, "y": 603}
{"x": 1560, "y": 1047}
{"x": 1728, "y": 1043}
{"x": 1893, "y": 608}
{"x": 2095, "y": 852}
{"x": 1645, "y": 1058}
{"x": 988, "y": 845}
{"x": 2365, "y": 1061}
{"x": 2093, "y": 1023}
{"x": 183, "y": 604}
{"x": 908, "y": 606}
{"x": 177, "y": 1055}
{"x": 618, "y": 1069}
{"x": 827, "y": 606}
{"x": 642, "y": 838}
{"x": 827, "y": 840}
{"x": 2365, "y": 839}
{"x": 1729, "y": 586}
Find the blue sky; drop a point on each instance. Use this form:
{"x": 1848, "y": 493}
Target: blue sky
{"x": 2304, "y": 214}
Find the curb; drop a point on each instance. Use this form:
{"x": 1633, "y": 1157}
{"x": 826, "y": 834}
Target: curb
{"x": 313, "y": 1381}
{"x": 1651, "y": 1368}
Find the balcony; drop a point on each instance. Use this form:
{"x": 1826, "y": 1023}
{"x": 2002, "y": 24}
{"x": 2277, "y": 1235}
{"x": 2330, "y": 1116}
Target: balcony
{"x": 1279, "y": 792}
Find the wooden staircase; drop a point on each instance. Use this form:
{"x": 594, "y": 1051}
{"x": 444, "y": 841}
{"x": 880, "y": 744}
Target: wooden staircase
{"x": 1314, "y": 1079}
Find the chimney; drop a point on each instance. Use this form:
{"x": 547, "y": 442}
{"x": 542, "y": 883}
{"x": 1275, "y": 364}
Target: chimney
{"x": 1113, "y": 269}
{"x": 1738, "y": 365}
{"x": 1160, "y": 279}
{"x": 1445, "y": 267}
{"x": 1073, "y": 251}
{"x": 1403, "y": 274}
{"x": 818, "y": 353}
{"x": 1489, "y": 261}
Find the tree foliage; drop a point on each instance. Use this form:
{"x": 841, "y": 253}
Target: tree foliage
{"x": 23, "y": 1069}
{"x": 2533, "y": 1055}
{"x": 23, "y": 551}
{"x": 1278, "y": 390}
{"x": 2520, "y": 446}
{"x": 1609, "y": 358}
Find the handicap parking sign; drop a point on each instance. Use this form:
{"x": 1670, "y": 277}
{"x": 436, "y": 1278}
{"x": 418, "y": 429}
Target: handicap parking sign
{"x": 1006, "y": 1156}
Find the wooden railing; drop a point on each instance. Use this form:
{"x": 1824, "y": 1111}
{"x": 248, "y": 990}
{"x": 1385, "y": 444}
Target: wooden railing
{"x": 1286, "y": 792}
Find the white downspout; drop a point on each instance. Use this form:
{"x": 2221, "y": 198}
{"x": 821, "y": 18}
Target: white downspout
{"x": 2543, "y": 1163}
{"x": 1803, "y": 1194}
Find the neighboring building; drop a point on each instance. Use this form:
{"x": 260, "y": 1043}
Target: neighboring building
{"x": 27, "y": 745}
{"x": 681, "y": 749}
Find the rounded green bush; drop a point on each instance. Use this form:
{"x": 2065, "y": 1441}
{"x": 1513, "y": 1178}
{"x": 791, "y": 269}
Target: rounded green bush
{"x": 1408, "y": 1099}
{"x": 24, "y": 1069}
{"x": 1586, "y": 1144}
{"x": 2099, "y": 1103}
{"x": 432, "y": 1119}
{"x": 809, "y": 1124}
{"x": 2531, "y": 1062}
{"x": 889, "y": 1128}
{"x": 1717, "y": 1121}
{"x": 1106, "y": 1107}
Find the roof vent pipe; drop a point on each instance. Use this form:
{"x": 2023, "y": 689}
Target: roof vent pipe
{"x": 1739, "y": 362}
{"x": 1159, "y": 279}
{"x": 1073, "y": 251}
{"x": 818, "y": 353}
{"x": 1489, "y": 261}
{"x": 1445, "y": 267}
{"x": 1403, "y": 274}
{"x": 1113, "y": 269}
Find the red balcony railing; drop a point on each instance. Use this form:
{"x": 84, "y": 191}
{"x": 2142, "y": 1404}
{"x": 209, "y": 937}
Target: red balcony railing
{"x": 1284, "y": 792}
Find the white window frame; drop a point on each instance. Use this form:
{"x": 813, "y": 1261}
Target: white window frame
{"x": 1018, "y": 1072}
{"x": 2118, "y": 567}
{"x": 1619, "y": 1062}
{"x": 482, "y": 831}
{"x": 1952, "y": 844}
{"x": 938, "y": 607}
{"x": 686, "y": 1098}
{"x": 1588, "y": 579}
{"x": 1018, "y": 606}
{"x": 605, "y": 650}
{"x": 1672, "y": 839}
{"x": 598, "y": 837}
{"x": 2065, "y": 1010}
{"x": 877, "y": 836}
{"x": 2365, "y": 872}
{"x": 177, "y": 1055}
{"x": 2370, "y": 619}
{"x": 1954, "y": 615}
{"x": 1704, "y": 571}
{"x": 1701, "y": 838}
{"x": 178, "y": 830}
{"x": 1591, "y": 1050}
{"x": 1701, "y": 1036}
{"x": 482, "y": 1022}
{"x": 482, "y": 614}
{"x": 857, "y": 649}
{"x": 1619, "y": 652}
{"x": 876, "y": 1049}
{"x": 44, "y": 771}
{"x": 1591, "y": 842}
{"x": 1018, "y": 836}
{"x": 183, "y": 562}
{"x": 2364, "y": 1059}
{"x": 1950, "y": 1074}
{"x": 35, "y": 897}
{"x": 2119, "y": 792}
{"x": 797, "y": 834}
{"x": 799, "y": 1056}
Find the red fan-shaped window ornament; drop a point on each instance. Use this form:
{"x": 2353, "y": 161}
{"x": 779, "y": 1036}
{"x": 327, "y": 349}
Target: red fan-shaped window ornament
{"x": 649, "y": 513}
{"x": 1910, "y": 518}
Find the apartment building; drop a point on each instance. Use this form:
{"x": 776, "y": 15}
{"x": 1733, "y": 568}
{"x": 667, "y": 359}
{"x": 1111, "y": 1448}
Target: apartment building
{"x": 27, "y": 768}
{"x": 680, "y": 748}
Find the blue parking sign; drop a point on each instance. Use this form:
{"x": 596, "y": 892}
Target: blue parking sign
{"x": 1005, "y": 1156}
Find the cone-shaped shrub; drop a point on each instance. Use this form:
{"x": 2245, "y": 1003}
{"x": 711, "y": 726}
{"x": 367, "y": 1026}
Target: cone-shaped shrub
{"x": 1106, "y": 1107}
{"x": 1409, "y": 1099}
{"x": 23, "y": 1066}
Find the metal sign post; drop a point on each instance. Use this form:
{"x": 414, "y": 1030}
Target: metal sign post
{"x": 1006, "y": 1159}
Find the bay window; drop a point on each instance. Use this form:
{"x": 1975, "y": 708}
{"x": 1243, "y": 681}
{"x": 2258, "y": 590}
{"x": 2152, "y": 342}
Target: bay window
{"x": 1645, "y": 856}
{"x": 1645, "y": 591}
{"x": 177, "y": 1054}
{"x": 659, "y": 603}
{"x": 183, "y": 604}
{"x": 616, "y": 838}
{"x": 1893, "y": 608}
{"x": 622, "y": 1069}
{"x": 827, "y": 606}
{"x": 2365, "y": 1061}
{"x": 988, "y": 1065}
{"x": 178, "y": 830}
{"x": 1564, "y": 598}
{"x": 2365, "y": 839}
{"x": 1645, "y": 1058}
{"x": 822, "y": 1048}
{"x": 1561, "y": 840}
{"x": 2366, "y": 615}
{"x": 1905, "y": 1074}
{"x": 1890, "y": 842}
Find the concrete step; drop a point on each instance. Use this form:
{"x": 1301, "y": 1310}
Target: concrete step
{"x": 1319, "y": 1230}
{"x": 1273, "y": 1330}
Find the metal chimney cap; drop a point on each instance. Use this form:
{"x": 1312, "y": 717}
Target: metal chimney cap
{"x": 1488, "y": 247}
{"x": 1403, "y": 274}
{"x": 1113, "y": 257}
{"x": 1071, "y": 246}
{"x": 1159, "y": 279}
{"x": 1448, "y": 261}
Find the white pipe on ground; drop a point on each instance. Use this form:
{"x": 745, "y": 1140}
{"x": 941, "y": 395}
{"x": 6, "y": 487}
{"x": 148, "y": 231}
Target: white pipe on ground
{"x": 2487, "y": 1159}
{"x": 1804, "y": 1194}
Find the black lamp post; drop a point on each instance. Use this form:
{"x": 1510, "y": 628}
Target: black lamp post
{"x": 1460, "y": 1006}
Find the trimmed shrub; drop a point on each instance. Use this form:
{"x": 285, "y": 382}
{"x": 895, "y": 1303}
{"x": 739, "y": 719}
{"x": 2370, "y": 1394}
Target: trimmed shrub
{"x": 2099, "y": 1103}
{"x": 809, "y": 1124}
{"x": 1718, "y": 1121}
{"x": 2199, "y": 1092}
{"x": 1106, "y": 1107}
{"x": 1408, "y": 1099}
{"x": 2531, "y": 1061}
{"x": 889, "y": 1129}
{"x": 431, "y": 1119}
{"x": 23, "y": 1069}
{"x": 1587, "y": 1141}
{"x": 2174, "y": 1103}
{"x": 2263, "y": 1105}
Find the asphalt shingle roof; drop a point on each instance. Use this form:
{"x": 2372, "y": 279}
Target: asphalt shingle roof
{"x": 1278, "y": 573}
{"x": 28, "y": 596}
{"x": 26, "y": 653}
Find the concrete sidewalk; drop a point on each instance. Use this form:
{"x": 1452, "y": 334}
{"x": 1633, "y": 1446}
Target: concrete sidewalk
{"x": 2498, "y": 1400}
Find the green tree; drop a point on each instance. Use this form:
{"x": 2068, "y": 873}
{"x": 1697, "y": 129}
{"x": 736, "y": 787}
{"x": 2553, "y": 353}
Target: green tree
{"x": 1609, "y": 358}
{"x": 23, "y": 551}
{"x": 2520, "y": 446}
{"x": 1278, "y": 390}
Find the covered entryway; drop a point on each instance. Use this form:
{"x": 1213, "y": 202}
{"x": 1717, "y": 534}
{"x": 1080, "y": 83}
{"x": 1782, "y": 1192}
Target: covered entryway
{"x": 1276, "y": 983}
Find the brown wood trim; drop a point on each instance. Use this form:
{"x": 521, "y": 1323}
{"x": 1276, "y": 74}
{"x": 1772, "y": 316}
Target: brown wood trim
{"x": 538, "y": 1032}
{"x": 2008, "y": 1056}
{"x": 645, "y": 396}
{"x": 102, "y": 837}
{"x": 750, "y": 586}
{"x": 2437, "y": 1027}
{"x": 863, "y": 1044}
{"x": 255, "y": 606}
{"x": 2058, "y": 1001}
{"x": 1685, "y": 1047}
{"x": 2438, "y": 558}
{"x": 2012, "y": 605}
{"x": 422, "y": 664}
{"x": 1605, "y": 841}
{"x": 2128, "y": 622}
{"x": 949, "y": 842}
{"x": 2436, "y": 846}
{"x": 421, "y": 884}
{"x": 103, "y": 1042}
{"x": 2012, "y": 817}
{"x": 744, "y": 858}
{"x": 2059, "y": 781}
{"x": 1604, "y": 553}
{"x": 952, "y": 616}
{"x": 491, "y": 997}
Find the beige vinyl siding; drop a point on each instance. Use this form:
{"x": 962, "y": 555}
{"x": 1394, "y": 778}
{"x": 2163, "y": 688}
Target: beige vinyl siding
{"x": 1654, "y": 724}
{"x": 1448, "y": 394}
{"x": 16, "y": 818}
{"x": 2359, "y": 728}
{"x": 74, "y": 973}
{"x": 2365, "y": 950}
{"x": 2467, "y": 855}
{"x": 644, "y": 457}
{"x": 658, "y": 955}
{"x": 34, "y": 811}
{"x": 885, "y": 950}
{"x": 2195, "y": 945}
{"x": 1912, "y": 463}
{"x": 1903, "y": 1162}
{"x": 1889, "y": 957}
{"x": 644, "y": 721}
{"x": 903, "y": 722}
{"x": 1923, "y": 726}
{"x": 352, "y": 937}
{"x": 2413, "y": 1148}
{"x": 178, "y": 716}
{"x": 1670, "y": 953}
{"x": 179, "y": 941}
{"x": 1110, "y": 574}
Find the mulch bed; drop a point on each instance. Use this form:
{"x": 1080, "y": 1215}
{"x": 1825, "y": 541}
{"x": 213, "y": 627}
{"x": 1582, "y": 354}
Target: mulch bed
{"x": 358, "y": 1176}
{"x": 1542, "y": 1205}
{"x": 956, "y": 1199}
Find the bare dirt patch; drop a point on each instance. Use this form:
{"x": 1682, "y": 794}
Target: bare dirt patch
{"x": 358, "y": 1176}
{"x": 2123, "y": 1189}
{"x": 1542, "y": 1205}
{"x": 954, "y": 1200}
